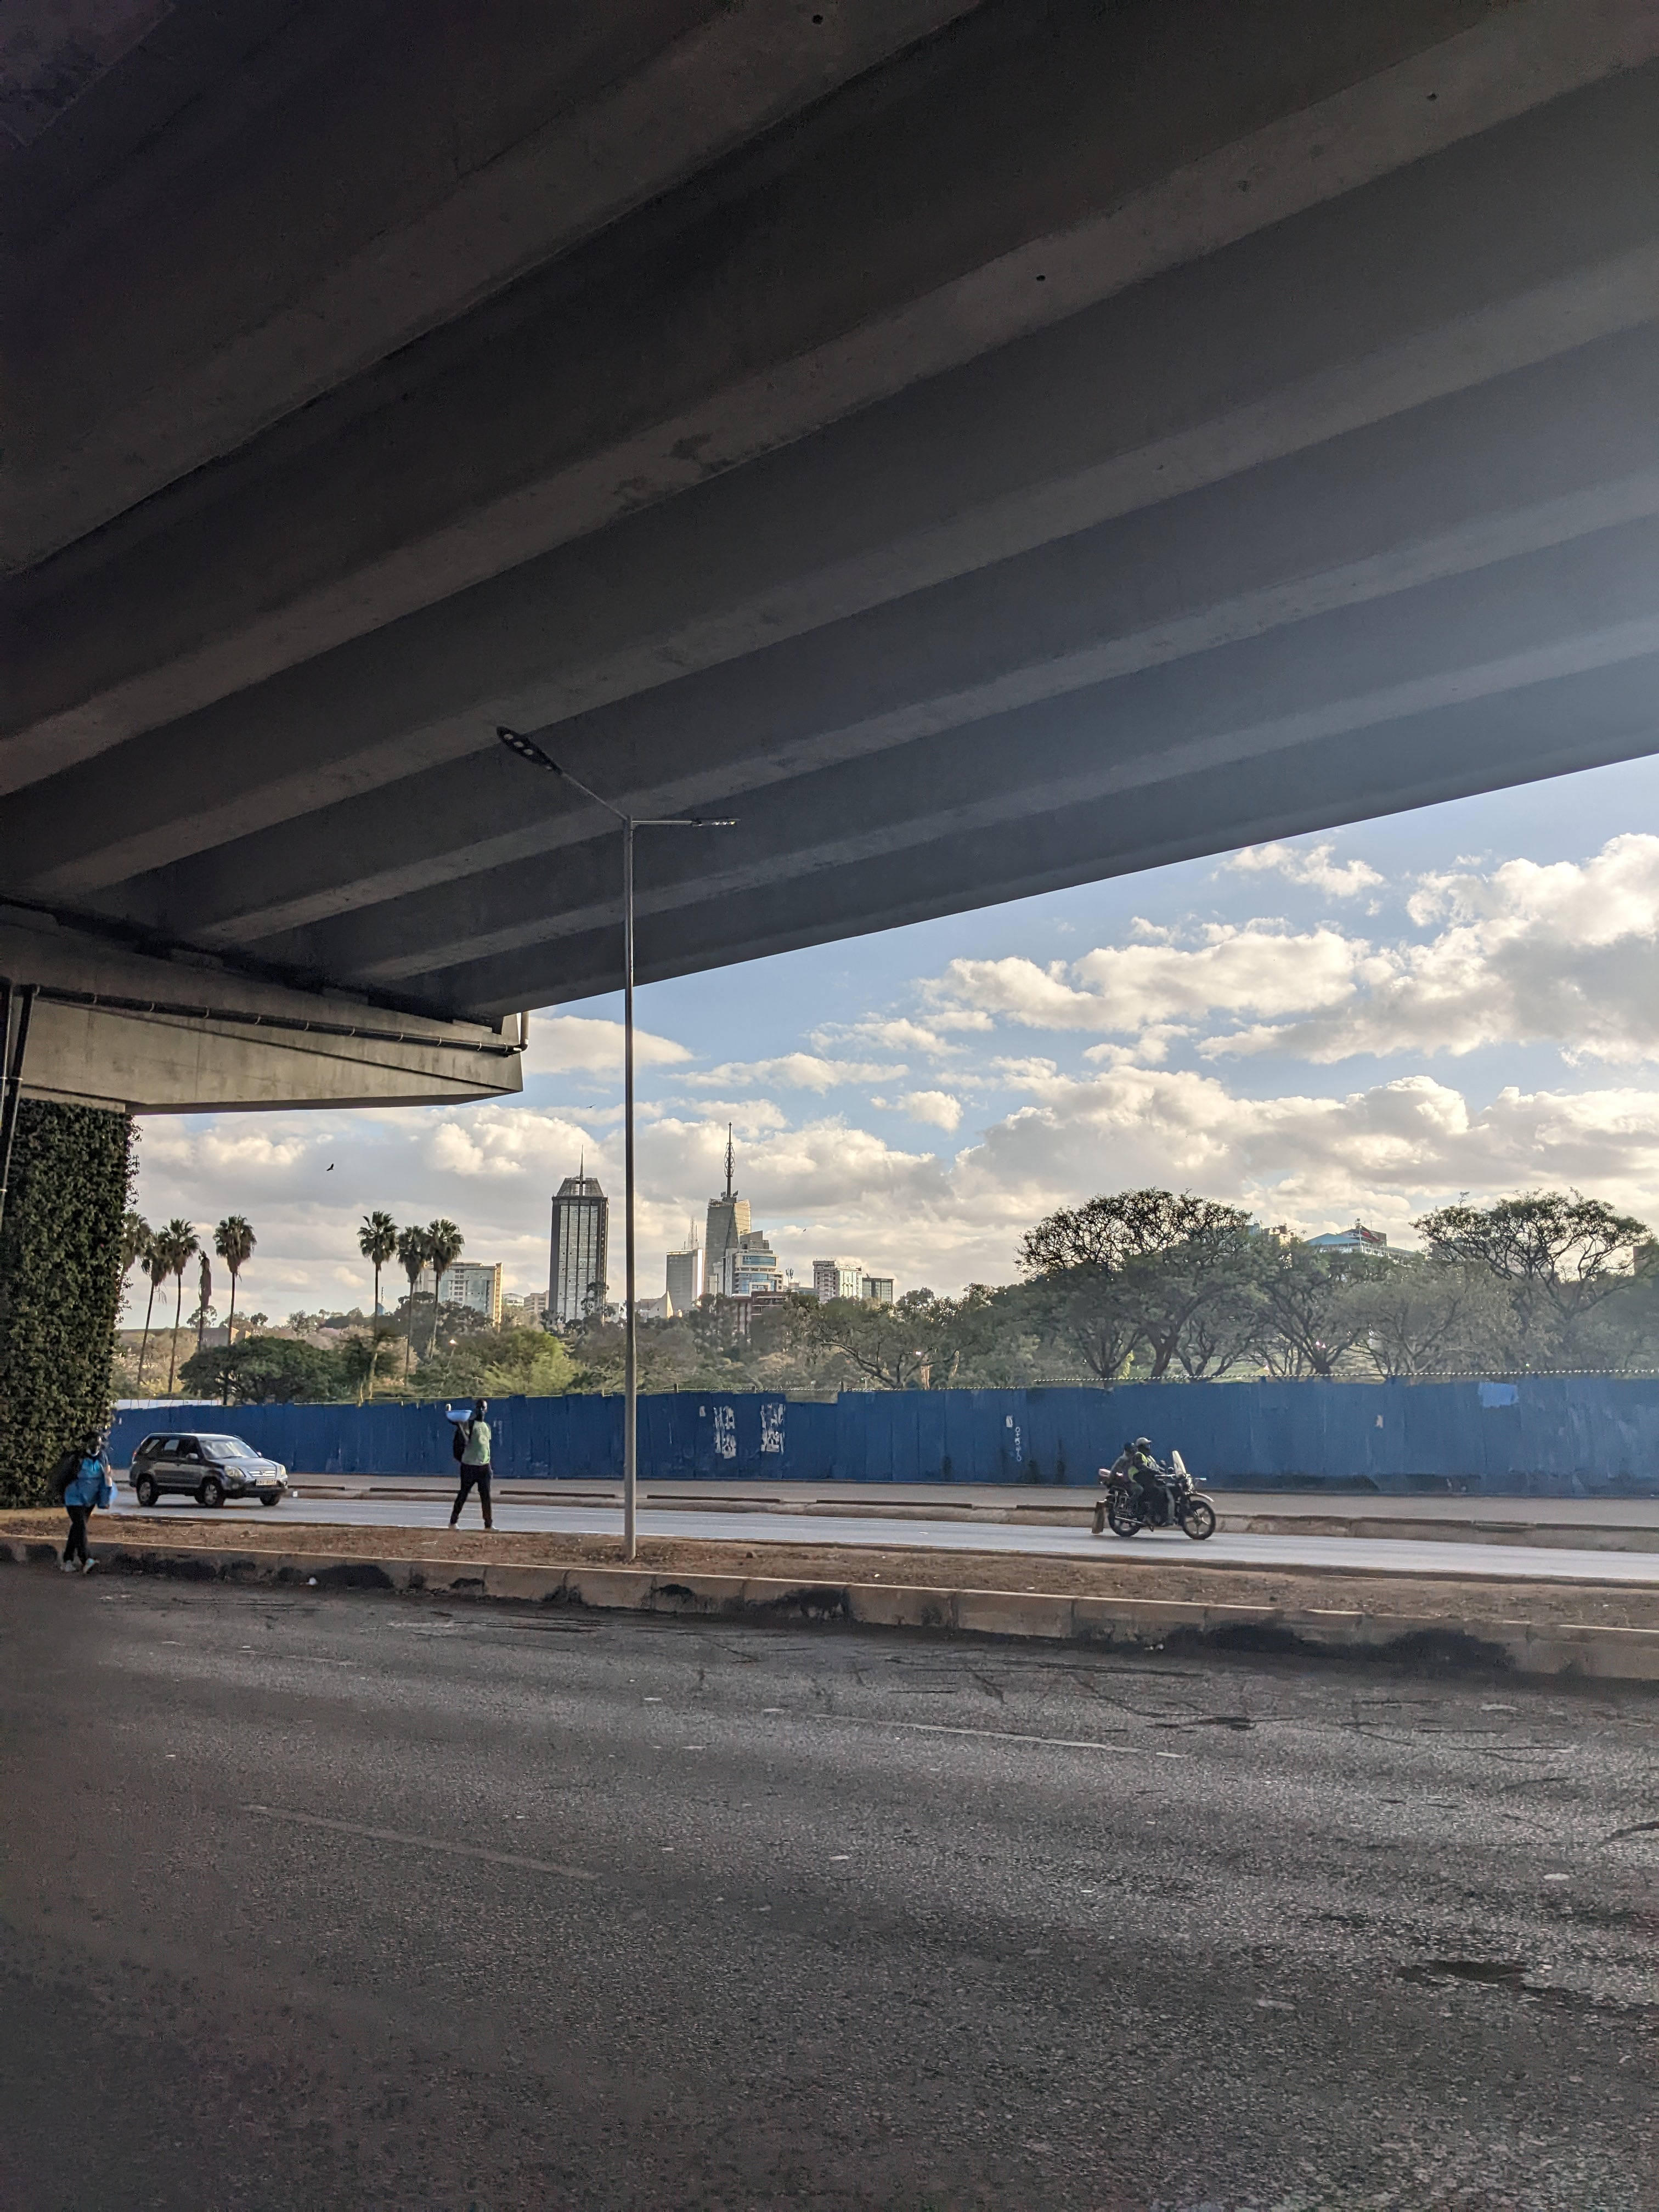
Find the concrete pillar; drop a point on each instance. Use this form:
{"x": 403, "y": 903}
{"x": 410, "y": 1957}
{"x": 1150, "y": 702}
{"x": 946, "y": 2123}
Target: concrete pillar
{"x": 60, "y": 1245}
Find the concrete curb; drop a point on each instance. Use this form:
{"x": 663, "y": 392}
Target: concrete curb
{"x": 1549, "y": 1535}
{"x": 1589, "y": 1650}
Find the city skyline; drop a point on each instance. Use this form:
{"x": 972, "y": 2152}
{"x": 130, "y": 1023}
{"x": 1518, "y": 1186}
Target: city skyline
{"x": 1353, "y": 1026}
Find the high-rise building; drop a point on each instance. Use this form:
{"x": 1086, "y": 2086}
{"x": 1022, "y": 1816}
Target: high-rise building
{"x": 748, "y": 1265}
{"x": 576, "y": 1272}
{"x": 473, "y": 1282}
{"x": 830, "y": 1280}
{"x": 878, "y": 1290}
{"x": 685, "y": 1278}
{"x": 728, "y": 1223}
{"x": 469, "y": 1282}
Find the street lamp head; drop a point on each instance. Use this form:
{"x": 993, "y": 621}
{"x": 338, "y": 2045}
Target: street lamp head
{"x": 526, "y": 749}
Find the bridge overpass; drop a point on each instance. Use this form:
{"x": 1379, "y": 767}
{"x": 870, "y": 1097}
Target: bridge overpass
{"x": 983, "y": 447}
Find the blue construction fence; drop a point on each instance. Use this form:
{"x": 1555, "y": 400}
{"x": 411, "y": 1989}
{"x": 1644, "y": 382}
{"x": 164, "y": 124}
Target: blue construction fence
{"x": 1540, "y": 1435}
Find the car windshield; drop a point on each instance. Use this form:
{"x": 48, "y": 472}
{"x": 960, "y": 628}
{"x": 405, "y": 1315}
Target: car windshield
{"x": 226, "y": 1448}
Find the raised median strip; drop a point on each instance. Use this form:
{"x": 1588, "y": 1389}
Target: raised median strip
{"x": 1579, "y": 1525}
{"x": 1600, "y": 1631}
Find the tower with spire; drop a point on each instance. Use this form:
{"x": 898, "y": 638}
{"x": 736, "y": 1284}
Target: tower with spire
{"x": 728, "y": 1223}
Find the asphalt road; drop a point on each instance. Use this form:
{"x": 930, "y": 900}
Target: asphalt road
{"x": 1372, "y": 1555}
{"x": 361, "y": 1901}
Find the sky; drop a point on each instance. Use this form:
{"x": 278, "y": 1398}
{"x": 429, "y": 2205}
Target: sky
{"x": 1360, "y": 1025}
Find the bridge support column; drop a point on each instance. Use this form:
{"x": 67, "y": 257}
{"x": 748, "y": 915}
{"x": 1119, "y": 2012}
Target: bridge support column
{"x": 60, "y": 1262}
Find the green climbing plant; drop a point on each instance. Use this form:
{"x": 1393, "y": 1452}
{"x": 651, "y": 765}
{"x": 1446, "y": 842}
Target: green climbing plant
{"x": 61, "y": 1254}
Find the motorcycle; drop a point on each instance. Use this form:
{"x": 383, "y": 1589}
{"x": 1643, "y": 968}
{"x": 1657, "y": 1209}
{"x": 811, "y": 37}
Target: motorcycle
{"x": 1178, "y": 1502}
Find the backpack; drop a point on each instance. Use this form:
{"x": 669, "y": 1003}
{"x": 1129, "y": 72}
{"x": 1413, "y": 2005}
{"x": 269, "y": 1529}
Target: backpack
{"x": 463, "y": 1430}
{"x": 64, "y": 1473}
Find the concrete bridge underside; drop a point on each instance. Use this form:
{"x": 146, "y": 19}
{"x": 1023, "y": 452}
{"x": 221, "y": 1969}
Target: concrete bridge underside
{"x": 982, "y": 447}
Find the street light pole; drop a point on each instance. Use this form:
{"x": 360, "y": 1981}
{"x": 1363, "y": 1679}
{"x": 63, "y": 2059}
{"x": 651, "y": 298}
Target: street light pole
{"x": 528, "y": 749}
{"x": 631, "y": 1338}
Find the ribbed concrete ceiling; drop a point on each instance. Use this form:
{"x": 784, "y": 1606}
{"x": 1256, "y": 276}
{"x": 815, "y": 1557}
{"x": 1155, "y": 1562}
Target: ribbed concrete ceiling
{"x": 981, "y": 448}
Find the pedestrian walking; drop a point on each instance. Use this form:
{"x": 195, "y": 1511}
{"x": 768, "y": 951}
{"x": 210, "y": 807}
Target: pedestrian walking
{"x": 83, "y": 1482}
{"x": 475, "y": 1462}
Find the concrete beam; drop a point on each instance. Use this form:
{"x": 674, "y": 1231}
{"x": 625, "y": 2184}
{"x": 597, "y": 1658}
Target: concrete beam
{"x": 113, "y": 1026}
{"x": 1335, "y": 319}
{"x": 1407, "y": 503}
{"x": 1084, "y": 156}
{"x": 981, "y": 448}
{"x": 1419, "y": 760}
{"x": 427, "y": 168}
{"x": 1492, "y": 632}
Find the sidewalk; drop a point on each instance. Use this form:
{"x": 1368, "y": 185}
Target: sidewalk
{"x": 1587, "y": 1523}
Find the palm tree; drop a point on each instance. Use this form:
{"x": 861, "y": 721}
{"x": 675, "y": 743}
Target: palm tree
{"x": 135, "y": 1243}
{"x": 158, "y": 1266}
{"x": 181, "y": 1245}
{"x": 444, "y": 1244}
{"x": 411, "y": 1257}
{"x": 204, "y": 1302}
{"x": 377, "y": 1240}
{"x": 149, "y": 1259}
{"x": 234, "y": 1240}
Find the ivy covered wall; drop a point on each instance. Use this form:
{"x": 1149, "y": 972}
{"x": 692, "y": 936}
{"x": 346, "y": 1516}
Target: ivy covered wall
{"x": 60, "y": 1257}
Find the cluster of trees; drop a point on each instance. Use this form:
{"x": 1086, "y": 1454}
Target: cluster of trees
{"x": 438, "y": 1246}
{"x": 1146, "y": 1282}
{"x": 1150, "y": 1285}
{"x": 1156, "y": 1284}
{"x": 256, "y": 1368}
{"x": 260, "y": 1369}
{"x": 168, "y": 1251}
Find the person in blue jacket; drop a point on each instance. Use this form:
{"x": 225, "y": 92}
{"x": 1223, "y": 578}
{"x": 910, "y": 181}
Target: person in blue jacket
{"x": 84, "y": 1481}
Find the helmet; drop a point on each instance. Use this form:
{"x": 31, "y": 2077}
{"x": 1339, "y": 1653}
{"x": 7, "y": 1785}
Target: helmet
{"x": 1143, "y": 1443}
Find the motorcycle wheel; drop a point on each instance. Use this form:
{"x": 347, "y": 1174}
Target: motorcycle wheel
{"x": 1197, "y": 1518}
{"x": 1124, "y": 1518}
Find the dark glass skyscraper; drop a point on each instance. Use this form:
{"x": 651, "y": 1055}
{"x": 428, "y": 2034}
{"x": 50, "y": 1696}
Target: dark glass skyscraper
{"x": 576, "y": 1274}
{"x": 728, "y": 1225}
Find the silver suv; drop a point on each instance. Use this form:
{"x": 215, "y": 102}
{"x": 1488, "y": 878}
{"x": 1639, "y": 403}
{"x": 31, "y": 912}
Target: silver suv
{"x": 209, "y": 1469}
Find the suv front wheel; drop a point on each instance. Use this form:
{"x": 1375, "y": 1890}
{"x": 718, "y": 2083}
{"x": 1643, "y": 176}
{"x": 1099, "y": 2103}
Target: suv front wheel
{"x": 212, "y": 1492}
{"x": 144, "y": 1490}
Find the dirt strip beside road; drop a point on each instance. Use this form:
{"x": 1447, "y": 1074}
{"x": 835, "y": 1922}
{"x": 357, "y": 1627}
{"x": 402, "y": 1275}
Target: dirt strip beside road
{"x": 1133, "y": 1575}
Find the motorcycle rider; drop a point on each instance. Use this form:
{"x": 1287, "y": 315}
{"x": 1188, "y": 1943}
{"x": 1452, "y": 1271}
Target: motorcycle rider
{"x": 1138, "y": 1463}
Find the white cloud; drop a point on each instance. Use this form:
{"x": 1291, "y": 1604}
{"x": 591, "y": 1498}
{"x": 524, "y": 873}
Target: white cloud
{"x": 1309, "y": 864}
{"x": 1148, "y": 984}
{"x": 1386, "y": 1153}
{"x": 938, "y": 1107}
{"x": 564, "y": 1044}
{"x": 899, "y": 1034}
{"x": 1566, "y": 954}
{"x": 799, "y": 1071}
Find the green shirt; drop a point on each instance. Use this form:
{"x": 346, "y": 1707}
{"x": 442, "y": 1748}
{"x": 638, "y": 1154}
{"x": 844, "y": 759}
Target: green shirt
{"x": 477, "y": 1444}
